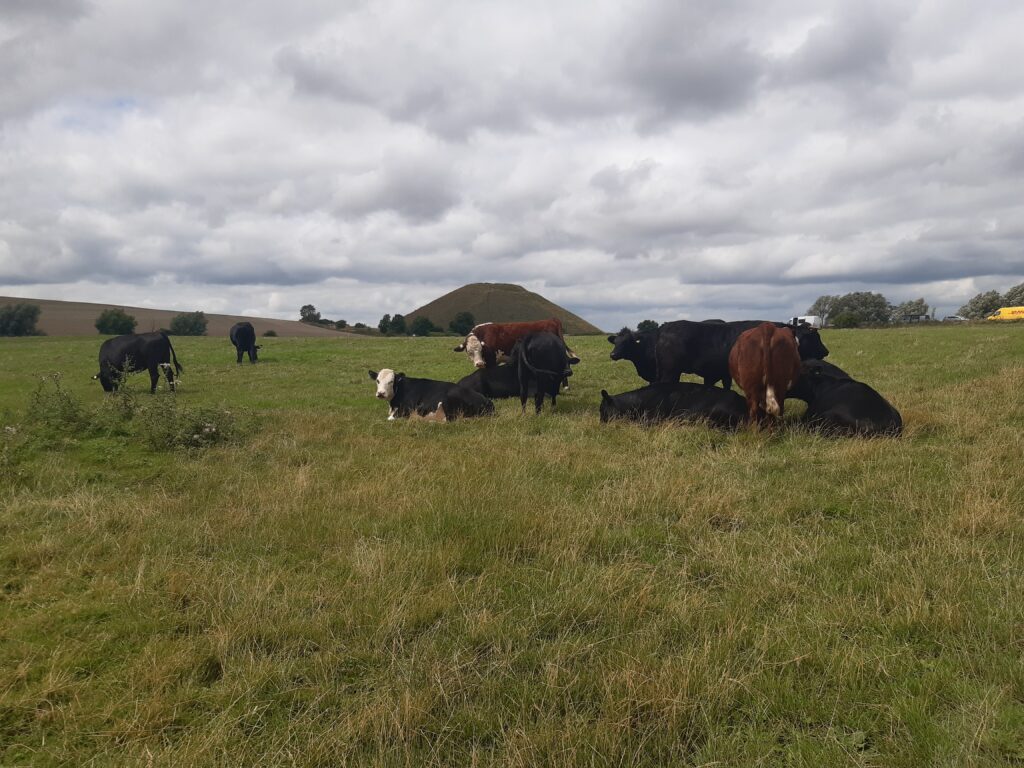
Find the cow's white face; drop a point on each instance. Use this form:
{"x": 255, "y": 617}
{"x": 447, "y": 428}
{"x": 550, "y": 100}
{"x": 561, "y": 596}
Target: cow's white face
{"x": 475, "y": 351}
{"x": 385, "y": 384}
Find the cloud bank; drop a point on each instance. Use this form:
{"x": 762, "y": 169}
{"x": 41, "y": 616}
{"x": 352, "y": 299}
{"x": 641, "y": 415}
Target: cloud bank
{"x": 664, "y": 160}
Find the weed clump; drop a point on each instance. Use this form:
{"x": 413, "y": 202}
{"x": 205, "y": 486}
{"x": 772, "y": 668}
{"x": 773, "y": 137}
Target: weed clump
{"x": 56, "y": 415}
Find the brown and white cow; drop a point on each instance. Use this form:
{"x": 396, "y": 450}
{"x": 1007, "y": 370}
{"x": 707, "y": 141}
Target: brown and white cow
{"x": 487, "y": 344}
{"x": 765, "y": 362}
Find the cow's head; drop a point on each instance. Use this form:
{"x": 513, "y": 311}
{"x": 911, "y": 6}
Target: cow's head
{"x": 809, "y": 342}
{"x": 386, "y": 380}
{"x": 608, "y": 408}
{"x": 106, "y": 381}
{"x": 628, "y": 345}
{"x": 474, "y": 348}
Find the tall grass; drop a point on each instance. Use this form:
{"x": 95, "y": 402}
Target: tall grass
{"x": 329, "y": 588}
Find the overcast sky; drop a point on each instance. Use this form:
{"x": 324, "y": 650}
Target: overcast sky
{"x": 682, "y": 159}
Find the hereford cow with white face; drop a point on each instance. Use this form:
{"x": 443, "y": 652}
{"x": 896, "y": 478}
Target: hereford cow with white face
{"x": 407, "y": 396}
{"x": 488, "y": 344}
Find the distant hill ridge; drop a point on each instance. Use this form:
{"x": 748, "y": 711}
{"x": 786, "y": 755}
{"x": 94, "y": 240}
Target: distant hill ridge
{"x": 78, "y": 318}
{"x": 499, "y": 303}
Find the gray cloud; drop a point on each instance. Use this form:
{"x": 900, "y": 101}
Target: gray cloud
{"x": 654, "y": 160}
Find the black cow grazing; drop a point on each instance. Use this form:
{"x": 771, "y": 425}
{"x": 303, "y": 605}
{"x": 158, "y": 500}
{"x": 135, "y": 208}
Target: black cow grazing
{"x": 839, "y": 405}
{"x": 676, "y": 402}
{"x": 703, "y": 349}
{"x": 638, "y": 348}
{"x": 243, "y": 336}
{"x": 424, "y": 397}
{"x": 132, "y": 352}
{"x": 542, "y": 361}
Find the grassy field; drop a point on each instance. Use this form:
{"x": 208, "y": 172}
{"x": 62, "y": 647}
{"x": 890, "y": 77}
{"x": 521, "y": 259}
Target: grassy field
{"x": 263, "y": 570}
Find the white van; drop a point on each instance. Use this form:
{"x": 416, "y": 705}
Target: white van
{"x": 812, "y": 320}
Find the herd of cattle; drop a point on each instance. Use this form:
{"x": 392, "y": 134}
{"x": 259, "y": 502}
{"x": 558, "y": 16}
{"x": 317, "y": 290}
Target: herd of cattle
{"x": 768, "y": 361}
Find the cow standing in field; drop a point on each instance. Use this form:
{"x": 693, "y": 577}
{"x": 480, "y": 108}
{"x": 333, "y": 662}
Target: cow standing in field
{"x": 425, "y": 397}
{"x": 839, "y": 405}
{"x": 542, "y": 361}
{"x": 639, "y": 348}
{"x": 243, "y": 336}
{"x": 703, "y": 348}
{"x": 684, "y": 401}
{"x": 488, "y": 344}
{"x": 765, "y": 362}
{"x": 132, "y": 352}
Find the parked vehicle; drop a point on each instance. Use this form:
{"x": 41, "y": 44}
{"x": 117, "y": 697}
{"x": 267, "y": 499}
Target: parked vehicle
{"x": 1007, "y": 313}
{"x": 812, "y": 320}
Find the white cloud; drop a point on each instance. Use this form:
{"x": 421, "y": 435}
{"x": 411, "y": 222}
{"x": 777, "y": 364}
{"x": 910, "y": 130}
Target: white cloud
{"x": 657, "y": 159}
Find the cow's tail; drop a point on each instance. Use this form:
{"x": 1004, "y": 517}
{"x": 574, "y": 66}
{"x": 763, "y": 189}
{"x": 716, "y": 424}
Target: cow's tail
{"x": 532, "y": 367}
{"x": 771, "y": 400}
{"x": 174, "y": 357}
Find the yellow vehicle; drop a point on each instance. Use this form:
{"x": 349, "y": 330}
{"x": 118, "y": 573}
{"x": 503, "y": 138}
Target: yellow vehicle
{"x": 1007, "y": 313}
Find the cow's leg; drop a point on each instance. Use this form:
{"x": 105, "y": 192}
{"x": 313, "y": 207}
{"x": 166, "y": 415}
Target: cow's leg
{"x": 252, "y": 354}
{"x": 727, "y": 382}
{"x": 169, "y": 373}
{"x": 538, "y": 399}
{"x": 239, "y": 351}
{"x": 154, "y": 377}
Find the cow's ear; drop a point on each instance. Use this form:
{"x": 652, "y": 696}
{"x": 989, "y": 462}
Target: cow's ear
{"x": 460, "y": 348}
{"x": 373, "y": 375}
{"x": 399, "y": 376}
{"x": 611, "y": 339}
{"x": 605, "y": 395}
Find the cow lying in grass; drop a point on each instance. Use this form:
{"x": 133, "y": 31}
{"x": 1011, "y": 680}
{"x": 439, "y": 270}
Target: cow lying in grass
{"x": 839, "y": 405}
{"x": 676, "y": 402}
{"x": 424, "y": 397}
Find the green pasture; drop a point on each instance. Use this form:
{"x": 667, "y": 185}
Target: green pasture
{"x": 262, "y": 570}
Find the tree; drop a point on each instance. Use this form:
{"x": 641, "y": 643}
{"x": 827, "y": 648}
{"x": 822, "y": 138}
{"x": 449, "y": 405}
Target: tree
{"x": 359, "y": 325}
{"x": 19, "y": 320}
{"x": 308, "y": 314}
{"x": 647, "y": 325}
{"x": 271, "y": 332}
{"x": 384, "y": 326}
{"x": 115, "y": 322}
{"x": 422, "y": 326}
{"x": 339, "y": 324}
{"x": 398, "y": 326}
{"x": 189, "y": 324}
{"x": 462, "y": 324}
{"x": 845, "y": 319}
{"x": 823, "y": 306}
{"x": 981, "y": 306}
{"x": 1014, "y": 297}
{"x": 864, "y": 306}
{"x": 913, "y": 309}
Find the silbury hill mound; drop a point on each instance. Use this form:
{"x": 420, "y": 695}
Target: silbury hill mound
{"x": 499, "y": 303}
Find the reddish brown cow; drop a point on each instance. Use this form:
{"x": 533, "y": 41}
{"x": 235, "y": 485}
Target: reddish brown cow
{"x": 765, "y": 362}
{"x": 487, "y": 340}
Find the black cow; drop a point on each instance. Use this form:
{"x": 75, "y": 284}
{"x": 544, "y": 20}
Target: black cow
{"x": 676, "y": 402}
{"x": 638, "y": 348}
{"x": 837, "y": 404}
{"x": 703, "y": 349}
{"x": 407, "y": 395}
{"x": 132, "y": 352}
{"x": 498, "y": 382}
{"x": 542, "y": 360}
{"x": 243, "y": 336}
